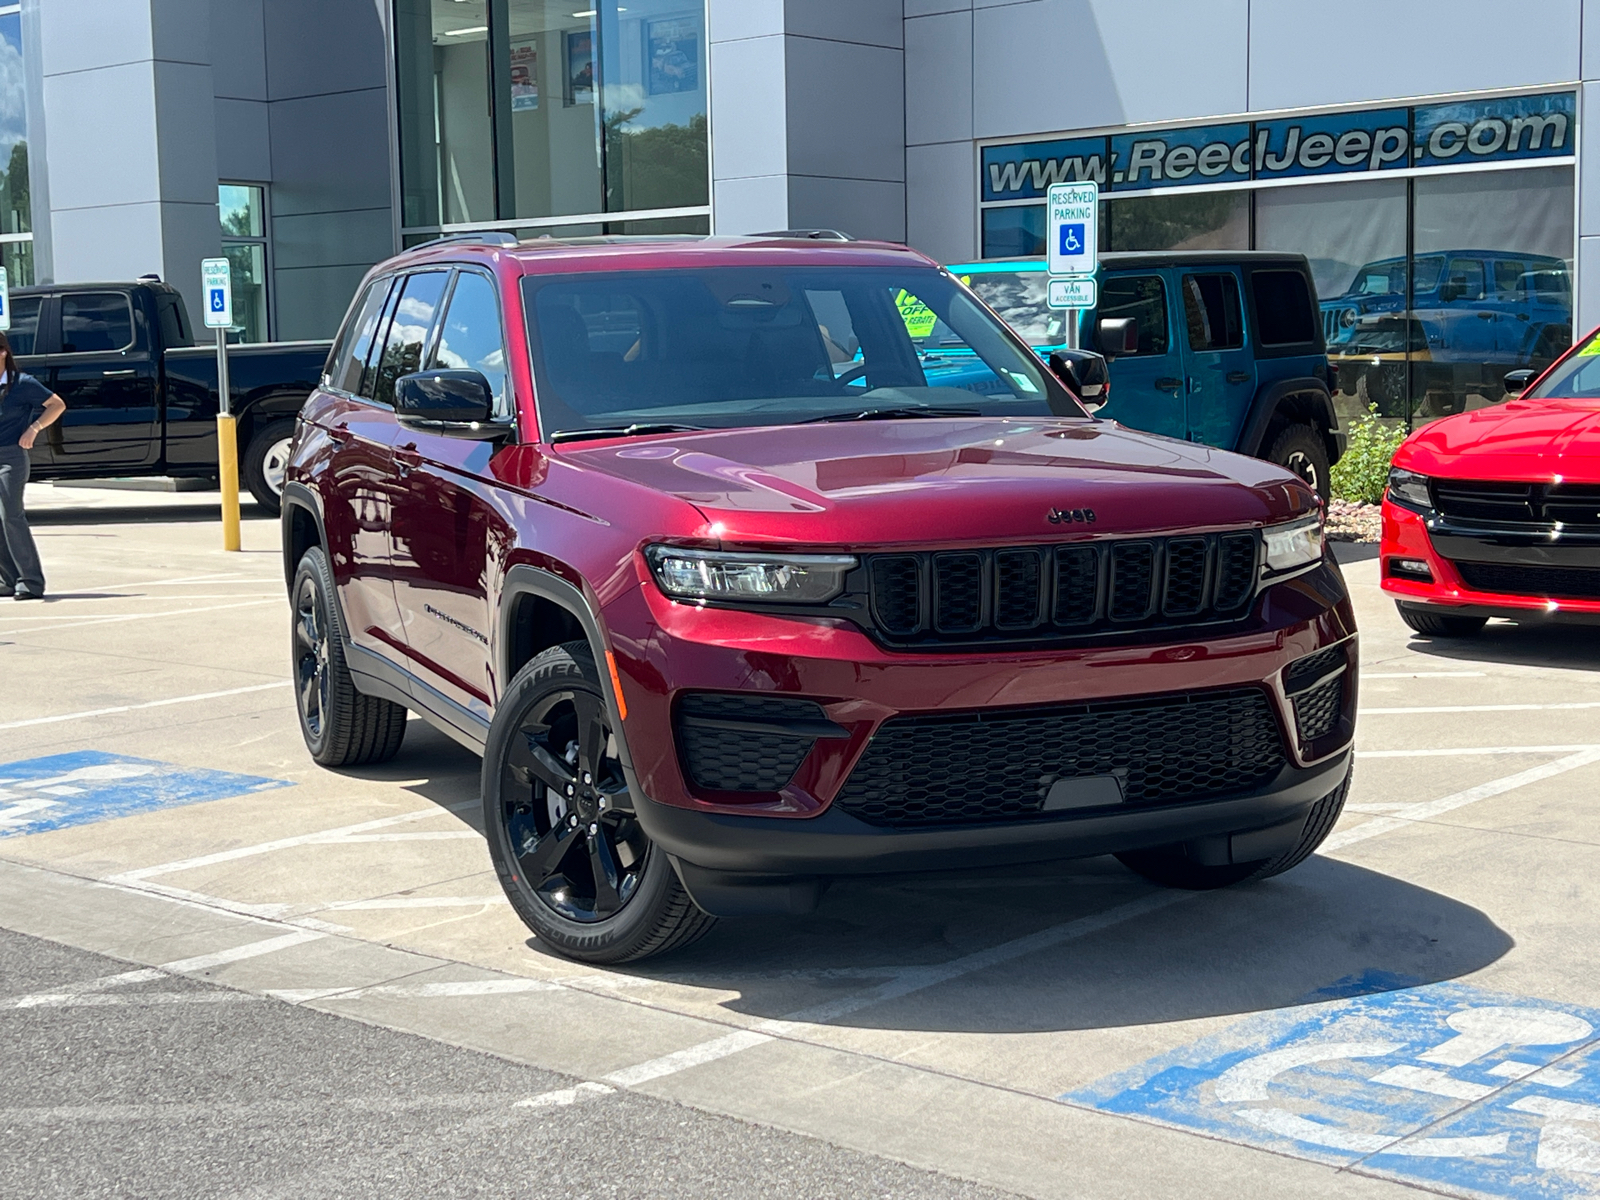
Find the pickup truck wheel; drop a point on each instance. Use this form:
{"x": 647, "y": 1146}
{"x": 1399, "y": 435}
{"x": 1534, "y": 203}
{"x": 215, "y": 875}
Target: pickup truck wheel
{"x": 572, "y": 857}
{"x": 1300, "y": 449}
{"x": 1168, "y": 866}
{"x": 266, "y": 459}
{"x": 342, "y": 727}
{"x": 1438, "y": 624}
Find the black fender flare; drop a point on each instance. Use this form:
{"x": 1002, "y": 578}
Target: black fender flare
{"x": 1265, "y": 407}
{"x": 524, "y": 579}
{"x": 298, "y": 495}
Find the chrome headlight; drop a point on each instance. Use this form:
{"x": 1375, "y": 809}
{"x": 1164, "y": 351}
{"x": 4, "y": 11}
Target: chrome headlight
{"x": 1294, "y": 544}
{"x": 744, "y": 576}
{"x": 1409, "y": 488}
{"x": 1347, "y": 317}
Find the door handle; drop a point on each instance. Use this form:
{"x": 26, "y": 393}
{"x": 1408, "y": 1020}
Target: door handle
{"x": 1522, "y": 316}
{"x": 1486, "y": 316}
{"x": 1168, "y": 384}
{"x": 119, "y": 374}
{"x": 1238, "y": 376}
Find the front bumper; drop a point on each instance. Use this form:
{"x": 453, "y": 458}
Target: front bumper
{"x": 1426, "y": 537}
{"x": 740, "y": 865}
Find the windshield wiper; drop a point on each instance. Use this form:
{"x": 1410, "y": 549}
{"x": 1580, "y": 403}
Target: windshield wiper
{"x": 578, "y": 435}
{"x": 894, "y": 414}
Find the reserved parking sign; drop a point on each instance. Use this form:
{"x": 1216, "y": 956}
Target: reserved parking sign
{"x": 215, "y": 283}
{"x": 1073, "y": 232}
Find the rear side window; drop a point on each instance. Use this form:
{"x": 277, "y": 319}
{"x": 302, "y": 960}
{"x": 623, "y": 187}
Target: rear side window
{"x": 1464, "y": 280}
{"x": 1285, "y": 315}
{"x": 174, "y": 320}
{"x": 1211, "y": 311}
{"x": 24, "y": 324}
{"x": 408, "y": 331}
{"x": 349, "y": 357}
{"x": 1144, "y": 298}
{"x": 93, "y": 322}
{"x": 470, "y": 337}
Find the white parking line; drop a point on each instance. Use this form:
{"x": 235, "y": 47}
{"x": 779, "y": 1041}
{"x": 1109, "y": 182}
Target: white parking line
{"x": 123, "y": 708}
{"x": 1422, "y": 674}
{"x": 111, "y": 620}
{"x": 416, "y": 902}
{"x": 1475, "y": 750}
{"x": 1423, "y": 810}
{"x": 682, "y": 1060}
{"x": 565, "y": 1097}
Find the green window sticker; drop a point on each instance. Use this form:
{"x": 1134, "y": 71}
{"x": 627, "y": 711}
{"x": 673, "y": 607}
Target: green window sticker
{"x": 1592, "y": 346}
{"x": 919, "y": 318}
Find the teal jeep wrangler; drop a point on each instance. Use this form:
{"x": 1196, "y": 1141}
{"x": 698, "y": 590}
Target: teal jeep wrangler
{"x": 1224, "y": 348}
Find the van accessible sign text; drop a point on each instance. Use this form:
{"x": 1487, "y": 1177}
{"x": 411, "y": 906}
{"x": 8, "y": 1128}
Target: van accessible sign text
{"x": 1346, "y": 143}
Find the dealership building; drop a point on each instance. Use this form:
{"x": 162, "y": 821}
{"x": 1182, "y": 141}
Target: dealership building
{"x": 1426, "y": 156}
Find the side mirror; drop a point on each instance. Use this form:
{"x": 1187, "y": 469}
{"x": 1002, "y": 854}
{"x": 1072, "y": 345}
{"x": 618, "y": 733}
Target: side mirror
{"x": 456, "y": 403}
{"x": 1085, "y": 375}
{"x": 1117, "y": 335}
{"x": 1517, "y": 381}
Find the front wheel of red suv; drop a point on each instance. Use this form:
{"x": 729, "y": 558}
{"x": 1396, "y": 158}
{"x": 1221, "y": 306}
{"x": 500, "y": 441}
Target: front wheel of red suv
{"x": 1170, "y": 867}
{"x": 570, "y": 853}
{"x": 1437, "y": 624}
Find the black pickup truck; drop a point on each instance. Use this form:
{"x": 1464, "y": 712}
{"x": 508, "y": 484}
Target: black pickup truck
{"x": 142, "y": 397}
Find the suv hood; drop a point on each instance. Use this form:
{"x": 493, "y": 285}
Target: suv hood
{"x": 948, "y": 481}
{"x": 1520, "y": 439}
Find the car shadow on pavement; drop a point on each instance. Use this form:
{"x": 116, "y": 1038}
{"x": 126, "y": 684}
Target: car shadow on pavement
{"x": 134, "y": 514}
{"x": 1328, "y": 929}
{"x": 1536, "y": 644}
{"x": 434, "y": 767}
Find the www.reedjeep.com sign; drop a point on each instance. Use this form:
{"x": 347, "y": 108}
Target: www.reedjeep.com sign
{"x": 1346, "y": 143}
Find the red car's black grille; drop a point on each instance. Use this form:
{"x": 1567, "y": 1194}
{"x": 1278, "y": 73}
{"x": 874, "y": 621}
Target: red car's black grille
{"x": 1047, "y": 591}
{"x": 1001, "y": 764}
{"x": 1570, "y": 583}
{"x": 1533, "y": 505}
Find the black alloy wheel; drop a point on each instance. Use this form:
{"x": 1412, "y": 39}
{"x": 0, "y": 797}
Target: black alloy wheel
{"x": 311, "y": 667}
{"x": 572, "y": 857}
{"x": 1301, "y": 450}
{"x": 342, "y": 726}
{"x": 568, "y": 813}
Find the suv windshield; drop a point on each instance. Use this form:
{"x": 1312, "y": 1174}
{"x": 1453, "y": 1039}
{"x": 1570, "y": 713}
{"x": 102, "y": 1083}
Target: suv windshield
{"x": 741, "y": 346}
{"x": 1577, "y": 379}
{"x": 1021, "y": 298}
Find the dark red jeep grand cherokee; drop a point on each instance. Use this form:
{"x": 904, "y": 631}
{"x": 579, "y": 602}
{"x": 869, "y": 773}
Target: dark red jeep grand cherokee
{"x": 751, "y": 563}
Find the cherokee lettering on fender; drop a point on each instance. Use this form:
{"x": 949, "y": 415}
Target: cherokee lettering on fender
{"x": 1069, "y": 516}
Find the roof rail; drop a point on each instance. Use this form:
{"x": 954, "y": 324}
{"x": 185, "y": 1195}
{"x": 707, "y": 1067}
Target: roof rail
{"x": 815, "y": 235}
{"x": 489, "y": 237}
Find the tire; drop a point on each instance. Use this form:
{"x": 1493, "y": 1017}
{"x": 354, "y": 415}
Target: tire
{"x": 264, "y": 460}
{"x": 1169, "y": 867}
{"x": 559, "y": 822}
{"x": 1439, "y": 625}
{"x": 1301, "y": 450}
{"x": 342, "y": 727}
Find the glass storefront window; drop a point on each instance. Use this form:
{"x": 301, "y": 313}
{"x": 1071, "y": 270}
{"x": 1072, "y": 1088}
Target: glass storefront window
{"x": 532, "y": 109}
{"x": 244, "y": 245}
{"x": 16, "y": 220}
{"x": 1199, "y": 221}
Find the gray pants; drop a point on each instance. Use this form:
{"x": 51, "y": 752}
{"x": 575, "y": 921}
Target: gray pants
{"x": 19, "y": 557}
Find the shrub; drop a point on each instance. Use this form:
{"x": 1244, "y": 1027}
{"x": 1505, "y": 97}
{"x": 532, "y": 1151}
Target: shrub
{"x": 1363, "y": 472}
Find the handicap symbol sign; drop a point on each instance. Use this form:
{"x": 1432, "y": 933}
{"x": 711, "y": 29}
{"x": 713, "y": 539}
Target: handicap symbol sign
{"x": 60, "y": 790}
{"x": 1072, "y": 239}
{"x": 219, "y": 300}
{"x": 1445, "y": 1085}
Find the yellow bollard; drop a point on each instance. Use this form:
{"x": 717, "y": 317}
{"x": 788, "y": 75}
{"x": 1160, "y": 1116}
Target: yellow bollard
{"x": 228, "y": 470}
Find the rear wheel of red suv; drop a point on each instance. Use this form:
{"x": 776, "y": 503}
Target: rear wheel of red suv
{"x": 573, "y": 860}
{"x": 1170, "y": 867}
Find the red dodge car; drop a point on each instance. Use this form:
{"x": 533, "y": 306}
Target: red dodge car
{"x": 1496, "y": 512}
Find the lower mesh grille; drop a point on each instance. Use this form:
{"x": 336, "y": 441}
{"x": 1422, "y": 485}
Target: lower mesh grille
{"x": 1573, "y": 583}
{"x": 995, "y": 765}
{"x": 1316, "y": 712}
{"x": 720, "y": 759}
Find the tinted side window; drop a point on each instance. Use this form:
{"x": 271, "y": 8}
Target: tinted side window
{"x": 1508, "y": 279}
{"x": 95, "y": 321}
{"x": 408, "y": 331}
{"x": 470, "y": 339}
{"x": 349, "y": 358}
{"x": 174, "y": 320}
{"x": 1211, "y": 310}
{"x": 1285, "y": 315}
{"x": 1465, "y": 280}
{"x": 24, "y": 323}
{"x": 1144, "y": 298}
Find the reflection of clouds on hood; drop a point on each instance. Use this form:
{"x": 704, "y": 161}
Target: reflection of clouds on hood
{"x": 13, "y": 88}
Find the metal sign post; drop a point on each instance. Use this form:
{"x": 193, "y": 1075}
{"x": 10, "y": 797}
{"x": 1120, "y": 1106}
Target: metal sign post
{"x": 217, "y": 286}
{"x": 1073, "y": 240}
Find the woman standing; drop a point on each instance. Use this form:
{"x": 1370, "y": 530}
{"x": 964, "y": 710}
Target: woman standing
{"x": 26, "y": 407}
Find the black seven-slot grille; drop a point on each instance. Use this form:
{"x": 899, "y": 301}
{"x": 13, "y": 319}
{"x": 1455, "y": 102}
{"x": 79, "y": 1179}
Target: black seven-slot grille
{"x": 1532, "y": 505}
{"x": 1079, "y": 588}
{"x": 1001, "y": 764}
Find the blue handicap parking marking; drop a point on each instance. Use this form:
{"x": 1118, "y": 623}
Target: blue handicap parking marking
{"x": 54, "y": 792}
{"x": 1468, "y": 1091}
